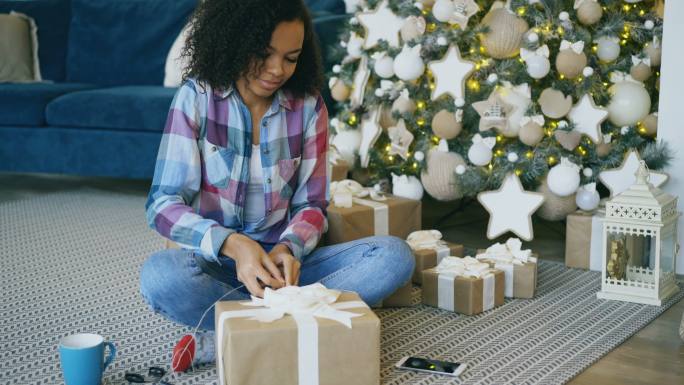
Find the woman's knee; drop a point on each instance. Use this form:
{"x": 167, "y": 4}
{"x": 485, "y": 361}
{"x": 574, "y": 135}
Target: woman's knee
{"x": 396, "y": 256}
{"x": 160, "y": 273}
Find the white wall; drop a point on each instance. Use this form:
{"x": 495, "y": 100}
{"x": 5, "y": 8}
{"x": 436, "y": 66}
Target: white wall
{"x": 670, "y": 114}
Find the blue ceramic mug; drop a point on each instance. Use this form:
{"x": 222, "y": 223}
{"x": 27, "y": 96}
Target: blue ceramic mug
{"x": 82, "y": 357}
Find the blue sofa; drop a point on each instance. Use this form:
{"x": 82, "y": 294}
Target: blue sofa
{"x": 102, "y": 110}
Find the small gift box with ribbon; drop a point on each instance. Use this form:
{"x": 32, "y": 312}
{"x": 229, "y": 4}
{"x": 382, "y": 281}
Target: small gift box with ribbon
{"x": 357, "y": 212}
{"x": 584, "y": 240}
{"x": 306, "y": 335}
{"x": 519, "y": 267}
{"x": 429, "y": 249}
{"x": 464, "y": 285}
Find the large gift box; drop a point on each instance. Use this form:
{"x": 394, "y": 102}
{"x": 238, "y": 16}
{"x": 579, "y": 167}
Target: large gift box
{"x": 338, "y": 171}
{"x": 519, "y": 267}
{"x": 296, "y": 336}
{"x": 463, "y": 285}
{"x": 584, "y": 240}
{"x": 429, "y": 249}
{"x": 356, "y": 212}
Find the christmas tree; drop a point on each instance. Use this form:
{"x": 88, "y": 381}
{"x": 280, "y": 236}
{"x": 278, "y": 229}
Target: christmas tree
{"x": 458, "y": 94}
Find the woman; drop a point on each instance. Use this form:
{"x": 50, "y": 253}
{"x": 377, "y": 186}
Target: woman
{"x": 240, "y": 181}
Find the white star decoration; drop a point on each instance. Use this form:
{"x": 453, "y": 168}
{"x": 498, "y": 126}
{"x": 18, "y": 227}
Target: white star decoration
{"x": 588, "y": 118}
{"x": 620, "y": 179}
{"x": 370, "y": 131}
{"x": 359, "y": 83}
{"x": 510, "y": 208}
{"x": 400, "y": 139}
{"x": 381, "y": 23}
{"x": 449, "y": 74}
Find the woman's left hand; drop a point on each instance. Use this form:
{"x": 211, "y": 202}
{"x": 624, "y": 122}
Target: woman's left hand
{"x": 283, "y": 258}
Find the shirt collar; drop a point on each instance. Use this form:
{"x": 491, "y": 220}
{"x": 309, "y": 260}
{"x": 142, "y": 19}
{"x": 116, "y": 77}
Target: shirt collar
{"x": 283, "y": 97}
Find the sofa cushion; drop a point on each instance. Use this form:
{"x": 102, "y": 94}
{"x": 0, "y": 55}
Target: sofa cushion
{"x": 119, "y": 108}
{"x": 23, "y": 104}
{"x": 123, "y": 42}
{"x": 52, "y": 19}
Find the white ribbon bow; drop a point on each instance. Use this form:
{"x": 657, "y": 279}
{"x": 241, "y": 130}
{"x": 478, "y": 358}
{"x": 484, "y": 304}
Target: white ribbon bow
{"x": 636, "y": 60}
{"x": 590, "y": 187}
{"x": 315, "y": 300}
{"x": 343, "y": 192}
{"x": 526, "y": 54}
{"x": 577, "y": 46}
{"x": 463, "y": 267}
{"x": 510, "y": 253}
{"x": 425, "y": 239}
{"x": 619, "y": 76}
{"x": 566, "y": 162}
{"x": 489, "y": 141}
{"x": 539, "y": 119}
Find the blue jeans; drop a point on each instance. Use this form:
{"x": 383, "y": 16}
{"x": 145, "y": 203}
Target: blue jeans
{"x": 180, "y": 285}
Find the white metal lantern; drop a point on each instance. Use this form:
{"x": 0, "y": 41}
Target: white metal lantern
{"x": 640, "y": 244}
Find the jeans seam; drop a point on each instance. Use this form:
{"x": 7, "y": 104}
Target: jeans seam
{"x": 346, "y": 268}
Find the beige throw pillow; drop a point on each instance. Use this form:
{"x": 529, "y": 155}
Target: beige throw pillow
{"x": 18, "y": 48}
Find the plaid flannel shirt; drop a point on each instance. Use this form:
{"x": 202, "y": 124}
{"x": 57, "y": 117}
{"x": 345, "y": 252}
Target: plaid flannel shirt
{"x": 198, "y": 192}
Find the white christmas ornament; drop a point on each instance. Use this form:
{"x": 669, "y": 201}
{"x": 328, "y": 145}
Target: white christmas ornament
{"x": 608, "y": 48}
{"x": 492, "y": 78}
{"x": 564, "y": 16}
{"x": 408, "y": 65}
{"x": 537, "y": 61}
{"x": 442, "y": 41}
{"x": 370, "y": 131}
{"x": 648, "y": 24}
{"x": 588, "y": 172}
{"x": 564, "y": 178}
{"x": 355, "y": 46}
{"x": 519, "y": 97}
{"x": 587, "y": 197}
{"x": 384, "y": 65}
{"x": 510, "y": 208}
{"x": 620, "y": 179}
{"x": 419, "y": 156}
{"x": 587, "y": 71}
{"x": 379, "y": 24}
{"x": 587, "y": 118}
{"x": 533, "y": 37}
{"x": 347, "y": 143}
{"x": 408, "y": 187}
{"x": 449, "y": 73}
{"x": 460, "y": 169}
{"x": 512, "y": 157}
{"x": 455, "y": 11}
{"x": 629, "y": 102}
{"x": 480, "y": 152}
{"x": 337, "y": 68}
{"x": 359, "y": 83}
{"x": 351, "y": 6}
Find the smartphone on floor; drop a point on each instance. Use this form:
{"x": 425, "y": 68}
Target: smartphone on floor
{"x": 453, "y": 369}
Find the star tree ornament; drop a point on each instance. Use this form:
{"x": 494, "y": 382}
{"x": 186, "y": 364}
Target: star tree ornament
{"x": 510, "y": 208}
{"x": 587, "y": 118}
{"x": 519, "y": 97}
{"x": 400, "y": 139}
{"x": 381, "y": 23}
{"x": 370, "y": 132}
{"x": 450, "y": 73}
{"x": 620, "y": 179}
{"x": 359, "y": 83}
{"x": 494, "y": 112}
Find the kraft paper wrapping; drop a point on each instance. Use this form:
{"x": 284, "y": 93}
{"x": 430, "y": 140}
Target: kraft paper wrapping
{"x": 339, "y": 171}
{"x": 427, "y": 259}
{"x": 584, "y": 240}
{"x": 468, "y": 291}
{"x": 258, "y": 353}
{"x": 524, "y": 282}
{"x": 400, "y": 298}
{"x": 358, "y": 221}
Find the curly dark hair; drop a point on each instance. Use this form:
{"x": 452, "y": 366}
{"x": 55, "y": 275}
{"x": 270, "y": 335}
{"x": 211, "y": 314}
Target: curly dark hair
{"x": 228, "y": 38}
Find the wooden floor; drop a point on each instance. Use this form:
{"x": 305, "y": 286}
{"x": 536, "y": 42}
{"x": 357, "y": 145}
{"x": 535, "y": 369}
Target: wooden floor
{"x": 655, "y": 355}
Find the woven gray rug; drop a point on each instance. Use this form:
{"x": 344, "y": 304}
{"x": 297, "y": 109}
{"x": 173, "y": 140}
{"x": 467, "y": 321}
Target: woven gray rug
{"x": 71, "y": 264}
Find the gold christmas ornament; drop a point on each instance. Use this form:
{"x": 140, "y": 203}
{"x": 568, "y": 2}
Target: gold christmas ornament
{"x": 505, "y": 34}
{"x": 659, "y": 8}
{"x": 555, "y": 208}
{"x": 588, "y": 11}
{"x": 338, "y": 90}
{"x": 386, "y": 118}
{"x": 569, "y": 140}
{"x": 531, "y": 130}
{"x": 447, "y": 125}
{"x": 554, "y": 104}
{"x": 654, "y": 52}
{"x": 403, "y": 103}
{"x": 650, "y": 124}
{"x": 603, "y": 149}
{"x": 640, "y": 72}
{"x": 570, "y": 63}
{"x": 439, "y": 177}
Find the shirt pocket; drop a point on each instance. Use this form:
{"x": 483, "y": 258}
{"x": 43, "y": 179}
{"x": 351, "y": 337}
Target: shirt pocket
{"x": 287, "y": 175}
{"x": 218, "y": 164}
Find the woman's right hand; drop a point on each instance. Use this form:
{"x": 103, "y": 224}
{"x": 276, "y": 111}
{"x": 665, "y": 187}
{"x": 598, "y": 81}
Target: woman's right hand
{"x": 254, "y": 267}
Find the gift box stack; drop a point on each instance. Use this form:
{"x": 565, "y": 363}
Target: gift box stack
{"x": 519, "y": 267}
{"x": 584, "y": 239}
{"x": 298, "y": 335}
